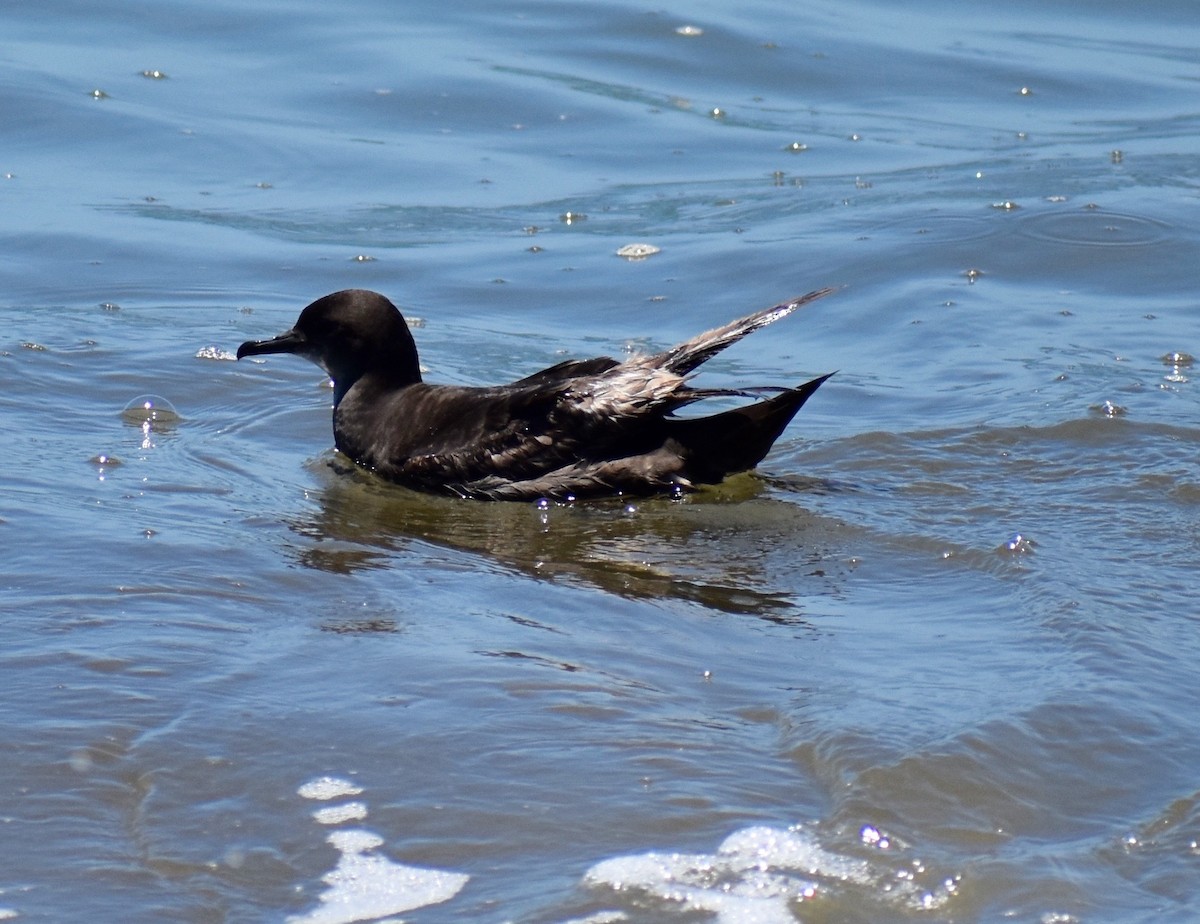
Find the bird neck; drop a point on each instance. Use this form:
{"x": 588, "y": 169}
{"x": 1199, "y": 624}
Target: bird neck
{"x": 375, "y": 382}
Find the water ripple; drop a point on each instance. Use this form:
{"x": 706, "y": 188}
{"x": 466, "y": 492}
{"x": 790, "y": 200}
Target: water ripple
{"x": 1093, "y": 227}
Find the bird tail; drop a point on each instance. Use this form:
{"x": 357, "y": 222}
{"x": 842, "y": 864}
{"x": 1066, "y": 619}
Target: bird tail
{"x": 690, "y": 354}
{"x": 737, "y": 440}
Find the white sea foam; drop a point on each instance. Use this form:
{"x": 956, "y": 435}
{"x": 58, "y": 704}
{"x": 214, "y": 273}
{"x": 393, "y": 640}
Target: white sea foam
{"x": 757, "y": 876}
{"x": 365, "y": 886}
{"x": 216, "y": 352}
{"x": 325, "y": 788}
{"x": 336, "y": 814}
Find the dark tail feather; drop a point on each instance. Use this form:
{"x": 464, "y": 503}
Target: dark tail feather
{"x": 688, "y": 355}
{"x": 737, "y": 440}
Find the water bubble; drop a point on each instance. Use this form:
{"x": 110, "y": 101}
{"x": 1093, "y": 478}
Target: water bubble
{"x": 1178, "y": 362}
{"x": 152, "y": 409}
{"x": 1108, "y": 409}
{"x": 634, "y": 252}
{"x": 1018, "y": 544}
{"x": 150, "y": 413}
{"x": 103, "y": 463}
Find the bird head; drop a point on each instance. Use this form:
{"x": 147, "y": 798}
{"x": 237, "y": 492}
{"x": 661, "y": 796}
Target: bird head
{"x": 349, "y": 334}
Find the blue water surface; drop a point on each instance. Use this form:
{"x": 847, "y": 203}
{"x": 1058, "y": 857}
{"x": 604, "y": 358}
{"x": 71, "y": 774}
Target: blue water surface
{"x": 932, "y": 662}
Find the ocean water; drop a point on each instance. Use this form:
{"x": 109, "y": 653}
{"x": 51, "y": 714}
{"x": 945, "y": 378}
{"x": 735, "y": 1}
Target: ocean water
{"x": 934, "y": 661}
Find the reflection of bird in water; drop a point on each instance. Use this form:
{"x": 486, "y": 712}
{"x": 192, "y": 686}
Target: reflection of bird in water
{"x": 738, "y": 548}
{"x": 580, "y": 428}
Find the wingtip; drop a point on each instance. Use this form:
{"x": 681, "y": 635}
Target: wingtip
{"x": 814, "y": 295}
{"x": 786, "y": 308}
{"x": 820, "y": 380}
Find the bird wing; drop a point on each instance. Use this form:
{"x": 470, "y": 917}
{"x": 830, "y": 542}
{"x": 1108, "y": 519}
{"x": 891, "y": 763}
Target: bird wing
{"x": 569, "y": 369}
{"x": 688, "y": 355}
{"x": 523, "y": 431}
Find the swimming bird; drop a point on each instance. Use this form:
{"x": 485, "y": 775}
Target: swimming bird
{"x": 583, "y": 427}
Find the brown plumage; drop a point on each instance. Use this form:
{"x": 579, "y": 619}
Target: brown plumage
{"x": 580, "y": 428}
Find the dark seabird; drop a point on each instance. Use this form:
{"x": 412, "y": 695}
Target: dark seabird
{"x": 584, "y": 427}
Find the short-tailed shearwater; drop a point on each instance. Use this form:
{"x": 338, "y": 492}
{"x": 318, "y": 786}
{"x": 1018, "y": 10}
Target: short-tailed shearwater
{"x": 581, "y": 428}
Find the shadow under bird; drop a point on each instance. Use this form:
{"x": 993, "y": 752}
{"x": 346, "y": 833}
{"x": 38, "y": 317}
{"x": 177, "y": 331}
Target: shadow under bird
{"x": 581, "y": 428}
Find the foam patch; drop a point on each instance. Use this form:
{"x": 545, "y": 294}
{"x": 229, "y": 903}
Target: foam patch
{"x": 759, "y": 874}
{"x": 365, "y": 885}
